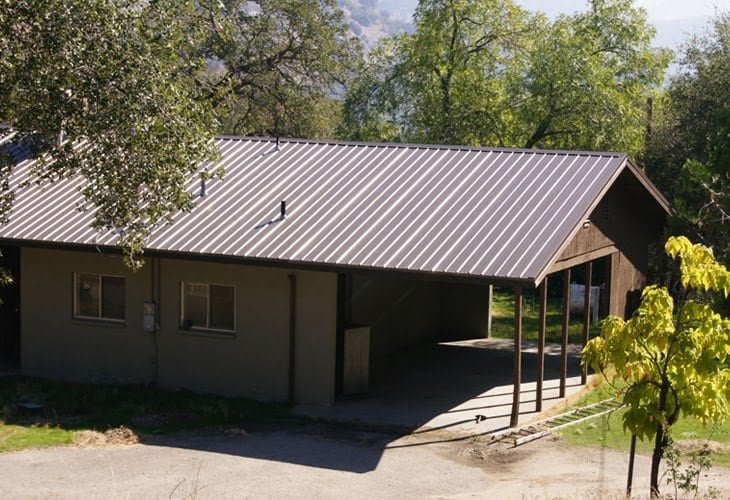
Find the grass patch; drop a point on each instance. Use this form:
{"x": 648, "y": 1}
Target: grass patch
{"x": 66, "y": 408}
{"x": 18, "y": 437}
{"x": 608, "y": 432}
{"x": 503, "y": 326}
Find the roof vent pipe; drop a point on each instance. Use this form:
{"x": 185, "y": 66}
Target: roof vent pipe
{"x": 283, "y": 209}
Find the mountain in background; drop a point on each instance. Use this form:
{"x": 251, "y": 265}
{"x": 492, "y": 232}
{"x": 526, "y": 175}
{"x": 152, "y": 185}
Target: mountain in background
{"x": 399, "y": 9}
{"x": 371, "y": 20}
{"x": 374, "y": 19}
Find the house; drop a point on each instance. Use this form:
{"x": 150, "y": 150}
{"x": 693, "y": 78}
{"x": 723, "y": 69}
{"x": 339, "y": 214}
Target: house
{"x": 251, "y": 292}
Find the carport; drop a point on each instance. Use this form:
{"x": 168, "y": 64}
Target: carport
{"x": 462, "y": 386}
{"x": 430, "y": 361}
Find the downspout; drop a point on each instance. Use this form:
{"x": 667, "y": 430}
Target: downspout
{"x": 292, "y": 336}
{"x": 155, "y": 278}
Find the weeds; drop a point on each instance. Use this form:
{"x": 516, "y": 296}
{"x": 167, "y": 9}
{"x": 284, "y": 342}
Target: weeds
{"x": 686, "y": 480}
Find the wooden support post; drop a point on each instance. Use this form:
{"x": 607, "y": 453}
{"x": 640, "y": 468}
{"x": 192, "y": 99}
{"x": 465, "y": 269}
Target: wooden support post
{"x": 586, "y": 316}
{"x": 564, "y": 338}
{"x": 490, "y": 302}
{"x": 514, "y": 419}
{"x": 541, "y": 344}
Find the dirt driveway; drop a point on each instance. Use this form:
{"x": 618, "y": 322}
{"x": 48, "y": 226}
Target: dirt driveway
{"x": 318, "y": 461}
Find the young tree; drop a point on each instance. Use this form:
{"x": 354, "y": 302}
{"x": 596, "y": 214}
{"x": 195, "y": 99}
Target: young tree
{"x": 671, "y": 357}
{"x": 105, "y": 89}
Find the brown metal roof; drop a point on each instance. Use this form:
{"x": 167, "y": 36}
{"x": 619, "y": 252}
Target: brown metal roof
{"x": 485, "y": 213}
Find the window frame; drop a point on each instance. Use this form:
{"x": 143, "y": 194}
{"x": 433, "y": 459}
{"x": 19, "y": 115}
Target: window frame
{"x": 207, "y": 327}
{"x": 100, "y": 280}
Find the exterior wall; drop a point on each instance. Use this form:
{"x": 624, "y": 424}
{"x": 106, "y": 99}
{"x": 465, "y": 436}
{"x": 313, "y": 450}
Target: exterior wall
{"x": 316, "y": 337}
{"x": 252, "y": 362}
{"x": 464, "y": 311}
{"x": 55, "y": 345}
{"x": 589, "y": 239}
{"x": 399, "y": 312}
{"x": 623, "y": 226}
{"x": 403, "y": 312}
{"x": 627, "y": 281}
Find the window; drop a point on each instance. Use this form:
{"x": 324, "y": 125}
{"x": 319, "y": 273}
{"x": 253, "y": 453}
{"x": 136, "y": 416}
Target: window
{"x": 208, "y": 306}
{"x": 99, "y": 296}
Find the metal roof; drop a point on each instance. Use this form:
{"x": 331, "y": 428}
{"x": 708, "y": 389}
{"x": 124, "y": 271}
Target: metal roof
{"x": 458, "y": 211}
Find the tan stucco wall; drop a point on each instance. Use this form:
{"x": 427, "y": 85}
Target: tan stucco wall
{"x": 316, "y": 337}
{"x": 253, "y": 362}
{"x": 55, "y": 345}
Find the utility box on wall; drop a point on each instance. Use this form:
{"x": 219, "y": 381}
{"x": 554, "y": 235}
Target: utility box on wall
{"x": 356, "y": 367}
{"x": 577, "y": 300}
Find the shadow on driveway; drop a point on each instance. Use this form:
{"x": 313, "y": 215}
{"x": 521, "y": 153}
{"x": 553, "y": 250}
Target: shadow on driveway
{"x": 433, "y": 393}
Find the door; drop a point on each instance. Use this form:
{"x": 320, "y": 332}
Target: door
{"x": 10, "y": 308}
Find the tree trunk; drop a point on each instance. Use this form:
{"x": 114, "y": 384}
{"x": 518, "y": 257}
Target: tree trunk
{"x": 660, "y": 443}
{"x": 656, "y": 458}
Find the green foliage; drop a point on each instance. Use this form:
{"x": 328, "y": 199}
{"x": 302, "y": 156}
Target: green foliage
{"x": 608, "y": 432}
{"x": 588, "y": 78}
{"x": 689, "y": 154}
{"x": 486, "y": 72}
{"x": 279, "y": 64}
{"x": 105, "y": 89}
{"x": 671, "y": 361}
{"x": 503, "y": 322}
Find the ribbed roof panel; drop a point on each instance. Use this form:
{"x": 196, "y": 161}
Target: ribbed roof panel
{"x": 491, "y": 213}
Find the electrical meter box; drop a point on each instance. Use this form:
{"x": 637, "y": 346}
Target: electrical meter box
{"x": 149, "y": 317}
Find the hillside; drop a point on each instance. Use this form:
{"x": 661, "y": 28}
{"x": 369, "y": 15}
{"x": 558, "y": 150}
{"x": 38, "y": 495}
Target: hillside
{"x": 371, "y": 22}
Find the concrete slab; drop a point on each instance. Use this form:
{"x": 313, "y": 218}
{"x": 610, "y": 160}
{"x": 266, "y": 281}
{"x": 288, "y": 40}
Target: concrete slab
{"x": 445, "y": 386}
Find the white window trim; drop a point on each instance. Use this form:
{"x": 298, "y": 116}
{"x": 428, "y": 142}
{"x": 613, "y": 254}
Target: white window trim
{"x": 207, "y": 328}
{"x": 98, "y": 317}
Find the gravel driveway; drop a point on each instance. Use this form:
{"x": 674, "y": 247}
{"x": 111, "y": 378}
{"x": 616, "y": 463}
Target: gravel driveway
{"x": 318, "y": 461}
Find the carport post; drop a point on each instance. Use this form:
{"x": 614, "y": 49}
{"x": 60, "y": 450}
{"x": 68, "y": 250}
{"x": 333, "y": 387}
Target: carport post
{"x": 586, "y": 316}
{"x": 490, "y": 301}
{"x": 564, "y": 337}
{"x": 541, "y": 344}
{"x": 518, "y": 358}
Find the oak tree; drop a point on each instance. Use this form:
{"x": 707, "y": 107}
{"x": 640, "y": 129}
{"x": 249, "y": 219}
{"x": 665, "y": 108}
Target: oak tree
{"x": 277, "y": 66}
{"x": 106, "y": 89}
{"x": 486, "y": 72}
{"x": 689, "y": 154}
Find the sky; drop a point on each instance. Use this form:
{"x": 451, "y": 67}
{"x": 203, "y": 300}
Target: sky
{"x": 673, "y": 19}
{"x": 665, "y": 10}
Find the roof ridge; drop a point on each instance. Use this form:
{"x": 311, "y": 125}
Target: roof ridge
{"x": 406, "y": 145}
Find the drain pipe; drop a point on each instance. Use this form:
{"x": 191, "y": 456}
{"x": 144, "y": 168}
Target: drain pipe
{"x": 155, "y": 271}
